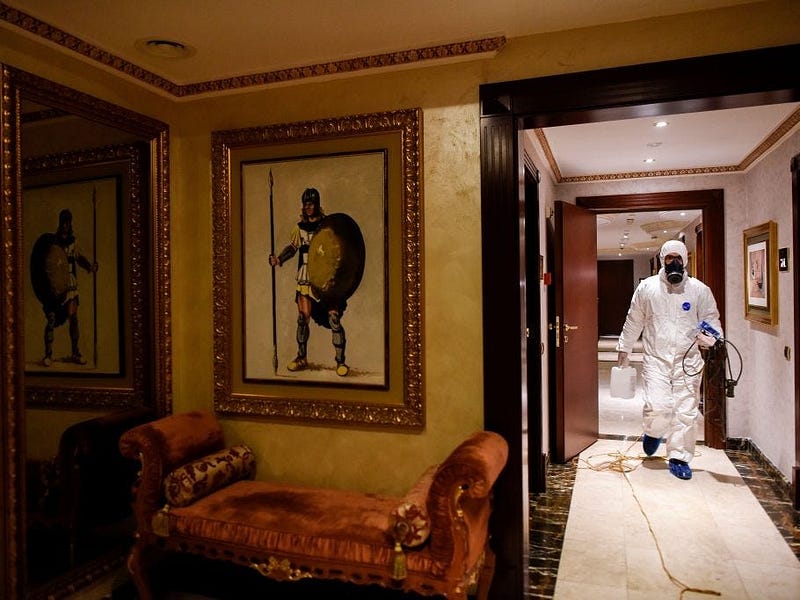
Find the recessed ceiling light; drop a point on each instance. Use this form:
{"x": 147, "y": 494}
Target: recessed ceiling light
{"x": 660, "y": 123}
{"x": 649, "y": 160}
{"x": 164, "y": 48}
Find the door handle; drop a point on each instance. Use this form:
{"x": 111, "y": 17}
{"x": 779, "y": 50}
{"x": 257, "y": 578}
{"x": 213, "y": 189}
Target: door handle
{"x": 567, "y": 329}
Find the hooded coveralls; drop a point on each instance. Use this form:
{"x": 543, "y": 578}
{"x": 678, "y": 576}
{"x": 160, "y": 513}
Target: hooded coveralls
{"x": 667, "y": 317}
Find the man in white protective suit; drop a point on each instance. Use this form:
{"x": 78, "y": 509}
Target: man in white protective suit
{"x": 666, "y": 310}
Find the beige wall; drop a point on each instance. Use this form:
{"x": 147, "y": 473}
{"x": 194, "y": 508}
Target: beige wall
{"x": 377, "y": 460}
{"x": 765, "y": 395}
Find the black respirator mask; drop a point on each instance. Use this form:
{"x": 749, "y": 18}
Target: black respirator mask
{"x": 674, "y": 271}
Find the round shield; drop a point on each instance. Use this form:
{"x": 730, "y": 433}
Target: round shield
{"x": 336, "y": 258}
{"x": 49, "y": 270}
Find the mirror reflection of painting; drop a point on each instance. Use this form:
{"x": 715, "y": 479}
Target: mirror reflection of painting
{"x": 55, "y": 260}
{"x": 757, "y": 282}
{"x": 314, "y": 269}
{"x": 72, "y": 311}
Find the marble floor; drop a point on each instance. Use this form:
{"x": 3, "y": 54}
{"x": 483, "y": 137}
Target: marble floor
{"x": 599, "y": 532}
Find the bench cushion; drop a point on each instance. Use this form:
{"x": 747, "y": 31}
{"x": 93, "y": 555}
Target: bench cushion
{"x": 331, "y": 525}
{"x": 199, "y": 478}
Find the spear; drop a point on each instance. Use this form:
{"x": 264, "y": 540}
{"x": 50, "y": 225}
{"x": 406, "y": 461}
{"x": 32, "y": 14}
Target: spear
{"x": 94, "y": 272}
{"x": 272, "y": 253}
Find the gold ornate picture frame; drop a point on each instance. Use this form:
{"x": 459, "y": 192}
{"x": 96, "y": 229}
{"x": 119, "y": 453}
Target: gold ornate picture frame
{"x": 362, "y": 351}
{"x": 761, "y": 273}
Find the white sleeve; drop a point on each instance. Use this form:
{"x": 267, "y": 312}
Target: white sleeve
{"x": 634, "y": 323}
{"x": 708, "y": 310}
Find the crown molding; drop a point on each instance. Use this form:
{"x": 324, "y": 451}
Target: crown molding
{"x": 402, "y": 58}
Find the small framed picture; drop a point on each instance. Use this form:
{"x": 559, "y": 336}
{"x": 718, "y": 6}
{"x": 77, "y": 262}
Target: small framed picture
{"x": 761, "y": 273}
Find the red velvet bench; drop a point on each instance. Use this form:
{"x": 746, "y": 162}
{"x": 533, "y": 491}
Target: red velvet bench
{"x": 198, "y": 496}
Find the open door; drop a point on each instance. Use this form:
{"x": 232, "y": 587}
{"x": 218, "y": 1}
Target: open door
{"x": 573, "y": 327}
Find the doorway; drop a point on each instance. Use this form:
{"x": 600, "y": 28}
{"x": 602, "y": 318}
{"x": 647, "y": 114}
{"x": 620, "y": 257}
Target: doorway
{"x": 627, "y": 252}
{"x": 710, "y": 252}
{"x": 507, "y": 109}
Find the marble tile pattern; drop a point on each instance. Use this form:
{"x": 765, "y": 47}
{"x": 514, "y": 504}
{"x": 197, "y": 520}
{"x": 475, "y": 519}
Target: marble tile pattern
{"x": 731, "y": 529}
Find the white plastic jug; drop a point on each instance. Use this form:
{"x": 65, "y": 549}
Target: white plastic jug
{"x": 623, "y": 382}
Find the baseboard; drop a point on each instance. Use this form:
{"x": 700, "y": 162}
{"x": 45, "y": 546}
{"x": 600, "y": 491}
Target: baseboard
{"x": 747, "y": 445}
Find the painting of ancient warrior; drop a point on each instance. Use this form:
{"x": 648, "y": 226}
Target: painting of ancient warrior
{"x": 314, "y": 274}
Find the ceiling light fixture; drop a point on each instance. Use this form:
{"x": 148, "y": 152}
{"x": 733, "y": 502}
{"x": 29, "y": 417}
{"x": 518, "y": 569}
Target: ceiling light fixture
{"x": 649, "y": 160}
{"x": 164, "y": 48}
{"x": 660, "y": 124}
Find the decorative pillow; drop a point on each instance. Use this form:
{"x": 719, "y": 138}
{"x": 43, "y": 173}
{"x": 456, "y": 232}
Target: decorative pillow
{"x": 412, "y": 525}
{"x": 197, "y": 479}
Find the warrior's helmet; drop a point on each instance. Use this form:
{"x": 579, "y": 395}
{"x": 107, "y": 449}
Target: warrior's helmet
{"x": 65, "y": 216}
{"x": 311, "y": 195}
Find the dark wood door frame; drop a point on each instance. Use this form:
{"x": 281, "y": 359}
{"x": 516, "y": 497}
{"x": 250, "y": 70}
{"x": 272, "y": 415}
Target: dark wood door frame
{"x": 712, "y": 205}
{"x": 795, "y": 167}
{"x": 508, "y": 108}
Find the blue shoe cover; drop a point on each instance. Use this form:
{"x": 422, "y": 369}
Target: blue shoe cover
{"x": 680, "y": 469}
{"x": 650, "y": 444}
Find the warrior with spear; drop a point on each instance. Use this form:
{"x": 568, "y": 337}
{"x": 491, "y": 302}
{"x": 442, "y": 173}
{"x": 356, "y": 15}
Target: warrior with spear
{"x": 54, "y": 262}
{"x": 318, "y": 302}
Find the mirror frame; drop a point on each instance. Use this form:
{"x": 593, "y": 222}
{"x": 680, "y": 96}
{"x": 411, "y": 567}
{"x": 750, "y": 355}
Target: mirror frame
{"x": 16, "y": 84}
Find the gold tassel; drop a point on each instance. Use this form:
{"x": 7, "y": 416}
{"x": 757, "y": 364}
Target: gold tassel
{"x": 399, "y": 566}
{"x": 160, "y": 522}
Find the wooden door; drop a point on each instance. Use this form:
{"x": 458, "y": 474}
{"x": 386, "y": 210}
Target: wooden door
{"x": 574, "y": 328}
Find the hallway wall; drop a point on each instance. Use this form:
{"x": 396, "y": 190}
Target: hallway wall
{"x": 766, "y": 392}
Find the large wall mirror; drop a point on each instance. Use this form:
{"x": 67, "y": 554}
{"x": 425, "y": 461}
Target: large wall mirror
{"x": 86, "y": 326}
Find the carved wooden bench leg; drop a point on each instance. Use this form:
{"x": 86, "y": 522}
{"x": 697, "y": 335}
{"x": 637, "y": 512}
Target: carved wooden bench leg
{"x": 139, "y": 560}
{"x": 486, "y": 575}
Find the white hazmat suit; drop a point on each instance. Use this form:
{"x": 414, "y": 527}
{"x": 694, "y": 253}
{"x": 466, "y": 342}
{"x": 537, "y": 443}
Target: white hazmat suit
{"x": 667, "y": 315}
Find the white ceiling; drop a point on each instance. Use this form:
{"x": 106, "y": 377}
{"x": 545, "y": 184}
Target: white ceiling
{"x": 229, "y": 39}
{"x": 705, "y": 140}
{"x": 630, "y": 234}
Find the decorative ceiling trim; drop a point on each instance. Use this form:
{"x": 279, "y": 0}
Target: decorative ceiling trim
{"x": 772, "y": 139}
{"x": 647, "y": 174}
{"x": 352, "y": 65}
{"x": 471, "y": 48}
{"x": 68, "y": 41}
{"x": 548, "y": 153}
